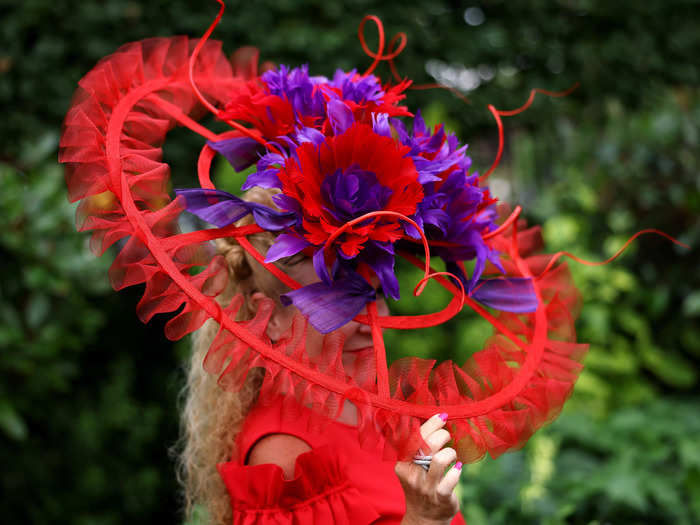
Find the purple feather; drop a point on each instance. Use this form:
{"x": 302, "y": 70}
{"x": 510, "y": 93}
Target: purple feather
{"x": 310, "y": 135}
{"x": 380, "y": 124}
{"x": 319, "y": 262}
{"x": 285, "y": 245}
{"x": 220, "y": 208}
{"x": 357, "y": 88}
{"x": 514, "y": 294}
{"x": 330, "y": 307}
{"x": 262, "y": 178}
{"x": 339, "y": 115}
{"x": 380, "y": 257}
{"x": 241, "y": 152}
{"x": 266, "y": 175}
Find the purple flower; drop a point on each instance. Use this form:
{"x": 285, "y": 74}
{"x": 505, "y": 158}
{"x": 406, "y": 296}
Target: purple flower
{"x": 432, "y": 153}
{"x": 299, "y": 88}
{"x": 357, "y": 88}
{"x": 349, "y": 194}
{"x": 353, "y": 192}
{"x": 455, "y": 208}
{"x": 467, "y": 221}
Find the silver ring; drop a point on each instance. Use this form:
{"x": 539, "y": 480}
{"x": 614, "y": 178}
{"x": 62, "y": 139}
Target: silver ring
{"x": 422, "y": 460}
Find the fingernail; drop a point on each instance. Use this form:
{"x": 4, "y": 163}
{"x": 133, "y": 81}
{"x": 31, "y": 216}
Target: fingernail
{"x": 443, "y": 416}
{"x": 458, "y": 465}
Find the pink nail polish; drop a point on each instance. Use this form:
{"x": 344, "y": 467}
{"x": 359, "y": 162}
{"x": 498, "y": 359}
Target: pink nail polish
{"x": 443, "y": 416}
{"x": 458, "y": 465}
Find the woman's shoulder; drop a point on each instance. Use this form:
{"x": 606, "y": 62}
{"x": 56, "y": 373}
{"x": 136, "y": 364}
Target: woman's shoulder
{"x": 283, "y": 423}
{"x": 278, "y": 449}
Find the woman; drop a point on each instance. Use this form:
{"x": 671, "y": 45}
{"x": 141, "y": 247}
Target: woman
{"x": 361, "y": 187}
{"x": 216, "y": 427}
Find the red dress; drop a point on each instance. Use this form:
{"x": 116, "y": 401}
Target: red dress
{"x": 337, "y": 482}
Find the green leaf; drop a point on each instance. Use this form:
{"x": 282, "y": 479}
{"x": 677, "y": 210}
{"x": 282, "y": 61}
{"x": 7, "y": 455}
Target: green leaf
{"x": 669, "y": 366}
{"x": 11, "y": 422}
{"x": 691, "y": 304}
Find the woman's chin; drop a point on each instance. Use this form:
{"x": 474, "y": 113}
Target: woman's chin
{"x": 360, "y": 364}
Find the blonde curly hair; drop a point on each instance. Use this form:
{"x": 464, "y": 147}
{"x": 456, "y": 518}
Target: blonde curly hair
{"x": 212, "y": 417}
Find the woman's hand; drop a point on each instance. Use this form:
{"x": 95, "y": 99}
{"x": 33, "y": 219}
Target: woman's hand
{"x": 430, "y": 497}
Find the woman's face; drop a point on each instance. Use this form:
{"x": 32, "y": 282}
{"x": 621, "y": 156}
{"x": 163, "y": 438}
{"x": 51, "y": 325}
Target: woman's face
{"x": 358, "y": 345}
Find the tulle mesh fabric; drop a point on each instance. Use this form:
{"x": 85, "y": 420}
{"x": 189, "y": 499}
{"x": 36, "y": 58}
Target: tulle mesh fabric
{"x": 111, "y": 145}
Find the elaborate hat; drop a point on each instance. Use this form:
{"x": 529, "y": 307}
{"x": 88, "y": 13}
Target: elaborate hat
{"x": 360, "y": 183}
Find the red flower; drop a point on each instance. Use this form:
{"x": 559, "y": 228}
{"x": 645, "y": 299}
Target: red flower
{"x": 345, "y": 177}
{"x": 363, "y": 111}
{"x": 272, "y": 115}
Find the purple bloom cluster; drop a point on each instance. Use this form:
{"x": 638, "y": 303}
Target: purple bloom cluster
{"x": 455, "y": 208}
{"x": 357, "y": 88}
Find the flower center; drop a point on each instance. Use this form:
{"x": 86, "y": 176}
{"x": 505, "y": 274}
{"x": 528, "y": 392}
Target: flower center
{"x": 353, "y": 192}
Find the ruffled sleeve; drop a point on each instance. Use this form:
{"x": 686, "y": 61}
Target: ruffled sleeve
{"x": 320, "y": 493}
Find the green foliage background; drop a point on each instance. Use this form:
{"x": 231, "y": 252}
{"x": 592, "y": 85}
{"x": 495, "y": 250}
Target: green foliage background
{"x": 88, "y": 394}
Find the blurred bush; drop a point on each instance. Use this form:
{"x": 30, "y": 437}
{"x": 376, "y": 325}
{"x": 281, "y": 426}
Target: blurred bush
{"x": 87, "y": 396}
{"x": 624, "y": 449}
{"x": 638, "y": 466}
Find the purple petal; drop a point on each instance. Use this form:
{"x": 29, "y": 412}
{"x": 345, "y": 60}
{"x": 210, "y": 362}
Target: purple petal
{"x": 480, "y": 263}
{"x": 298, "y": 87}
{"x": 286, "y": 141}
{"x": 340, "y": 116}
{"x": 285, "y": 245}
{"x": 287, "y": 203}
{"x": 220, "y": 208}
{"x": 358, "y": 88}
{"x": 328, "y": 307}
{"x": 453, "y": 142}
{"x": 319, "y": 261}
{"x": 515, "y": 294}
{"x": 382, "y": 262}
{"x": 271, "y": 159}
{"x": 266, "y": 174}
{"x": 436, "y": 140}
{"x": 419, "y": 127}
{"x": 310, "y": 135}
{"x": 436, "y": 217}
{"x": 401, "y": 131}
{"x": 494, "y": 258}
{"x": 241, "y": 152}
{"x": 214, "y": 206}
{"x": 265, "y": 179}
{"x": 410, "y": 230}
{"x": 270, "y": 219}
{"x": 380, "y": 124}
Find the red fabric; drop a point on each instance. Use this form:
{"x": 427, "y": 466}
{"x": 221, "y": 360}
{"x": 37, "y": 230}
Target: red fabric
{"x": 336, "y": 482}
{"x": 112, "y": 147}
